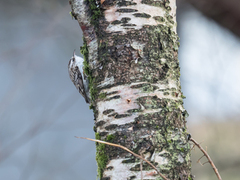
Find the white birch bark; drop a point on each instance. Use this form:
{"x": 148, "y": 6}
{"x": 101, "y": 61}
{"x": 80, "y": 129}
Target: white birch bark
{"x": 131, "y": 59}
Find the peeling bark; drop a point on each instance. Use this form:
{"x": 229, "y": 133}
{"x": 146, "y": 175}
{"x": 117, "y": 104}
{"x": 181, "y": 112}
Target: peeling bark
{"x": 131, "y": 59}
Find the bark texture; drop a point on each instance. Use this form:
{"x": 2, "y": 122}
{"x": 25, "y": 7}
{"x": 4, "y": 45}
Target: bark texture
{"x": 131, "y": 59}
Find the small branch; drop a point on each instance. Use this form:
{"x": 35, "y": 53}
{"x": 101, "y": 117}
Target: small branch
{"x": 198, "y": 161}
{"x": 126, "y": 149}
{"x": 208, "y": 157}
{"x": 193, "y": 147}
{"x": 205, "y": 163}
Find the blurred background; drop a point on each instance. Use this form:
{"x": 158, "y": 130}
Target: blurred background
{"x": 41, "y": 111}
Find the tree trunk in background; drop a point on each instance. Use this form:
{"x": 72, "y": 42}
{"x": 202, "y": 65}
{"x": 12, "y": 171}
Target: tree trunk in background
{"x": 131, "y": 59}
{"x": 224, "y": 12}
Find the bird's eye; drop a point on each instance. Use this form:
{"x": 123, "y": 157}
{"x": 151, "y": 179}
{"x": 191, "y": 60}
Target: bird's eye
{"x": 73, "y": 59}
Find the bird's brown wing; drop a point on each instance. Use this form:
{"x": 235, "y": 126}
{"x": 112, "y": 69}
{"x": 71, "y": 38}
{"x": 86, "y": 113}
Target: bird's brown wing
{"x": 78, "y": 81}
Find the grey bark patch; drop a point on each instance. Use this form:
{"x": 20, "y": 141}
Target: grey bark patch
{"x": 103, "y": 134}
{"x": 149, "y": 88}
{"x": 158, "y": 3}
{"x": 166, "y": 93}
{"x": 159, "y": 18}
{"x": 152, "y": 102}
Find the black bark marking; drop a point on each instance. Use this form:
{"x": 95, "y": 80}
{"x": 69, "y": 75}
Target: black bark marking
{"x": 116, "y": 22}
{"x": 129, "y": 25}
{"x": 113, "y": 114}
{"x": 100, "y": 123}
{"x": 139, "y": 85}
{"x": 112, "y": 92}
{"x": 126, "y": 10}
{"x": 108, "y": 111}
{"x": 129, "y": 161}
{"x": 110, "y": 168}
{"x": 119, "y": 116}
{"x": 132, "y": 177}
{"x": 126, "y": 3}
{"x": 106, "y": 178}
{"x": 163, "y": 72}
{"x": 133, "y": 110}
{"x": 159, "y": 43}
{"x": 114, "y": 97}
{"x": 125, "y": 20}
{"x": 111, "y": 127}
{"x": 143, "y": 15}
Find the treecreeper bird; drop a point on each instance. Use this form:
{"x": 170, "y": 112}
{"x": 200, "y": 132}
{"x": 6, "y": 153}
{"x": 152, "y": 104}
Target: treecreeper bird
{"x": 79, "y": 79}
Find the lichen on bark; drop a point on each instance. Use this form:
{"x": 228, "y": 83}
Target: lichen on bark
{"x": 131, "y": 58}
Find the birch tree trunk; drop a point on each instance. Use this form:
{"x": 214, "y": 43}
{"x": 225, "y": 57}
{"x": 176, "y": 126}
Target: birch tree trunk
{"x": 131, "y": 59}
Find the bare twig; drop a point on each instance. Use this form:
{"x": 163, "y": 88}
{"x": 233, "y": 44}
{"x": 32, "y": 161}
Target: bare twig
{"x": 126, "y": 149}
{"x": 193, "y": 148}
{"x": 205, "y": 163}
{"x": 198, "y": 161}
{"x": 208, "y": 157}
